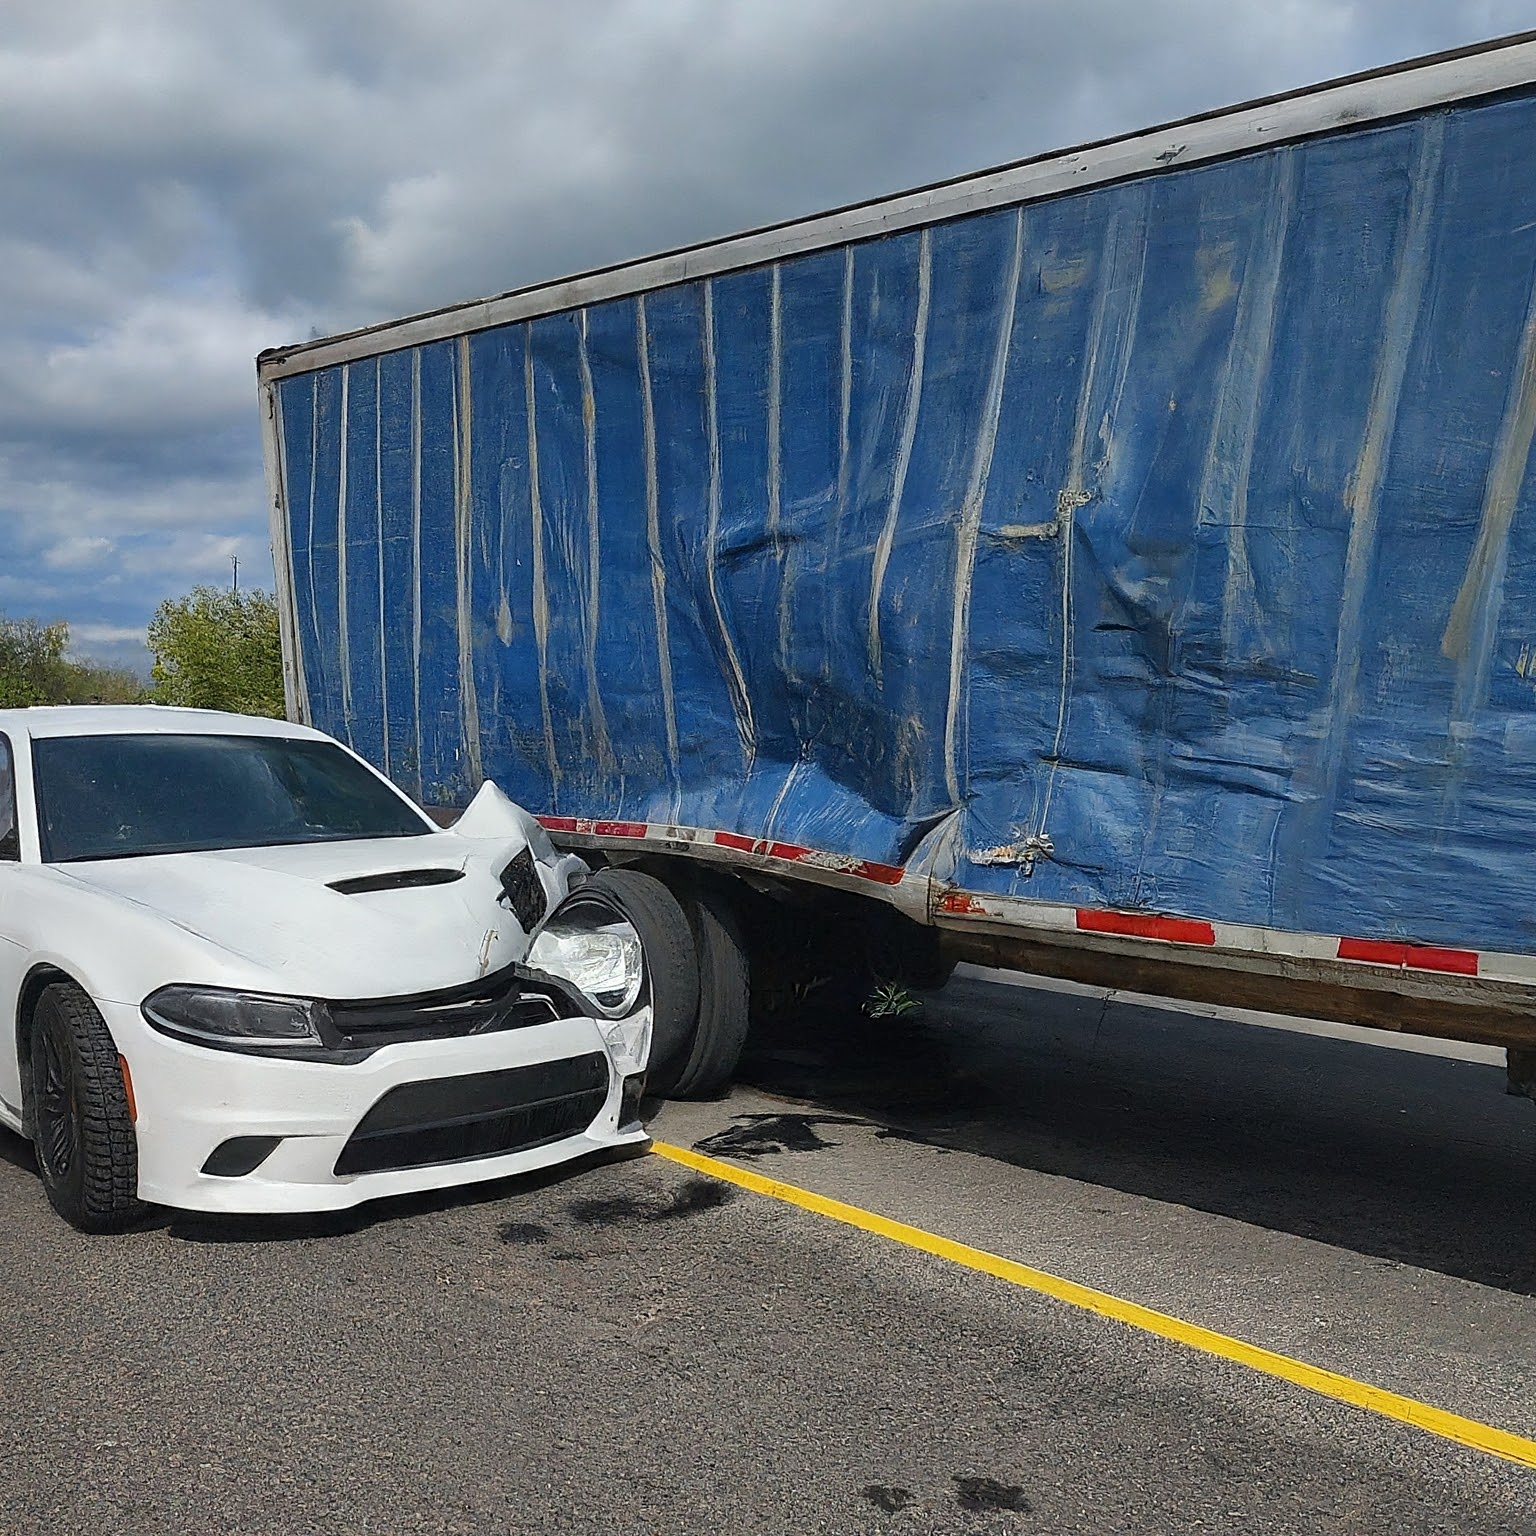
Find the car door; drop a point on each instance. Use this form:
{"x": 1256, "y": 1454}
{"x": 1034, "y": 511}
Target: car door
{"x": 13, "y": 955}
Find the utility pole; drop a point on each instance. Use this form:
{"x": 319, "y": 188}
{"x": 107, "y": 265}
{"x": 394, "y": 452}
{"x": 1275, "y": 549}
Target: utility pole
{"x": 235, "y": 561}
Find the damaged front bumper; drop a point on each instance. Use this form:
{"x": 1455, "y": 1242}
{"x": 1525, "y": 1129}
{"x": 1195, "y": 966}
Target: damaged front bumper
{"x": 225, "y": 1131}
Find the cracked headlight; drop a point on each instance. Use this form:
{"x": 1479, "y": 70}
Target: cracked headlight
{"x": 590, "y": 944}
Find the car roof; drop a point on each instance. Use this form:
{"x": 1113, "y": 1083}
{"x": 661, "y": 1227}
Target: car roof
{"x": 141, "y": 719}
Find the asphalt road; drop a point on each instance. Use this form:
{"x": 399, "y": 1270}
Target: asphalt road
{"x": 632, "y": 1348}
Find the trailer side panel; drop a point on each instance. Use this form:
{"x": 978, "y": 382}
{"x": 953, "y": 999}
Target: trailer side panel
{"x": 1164, "y": 547}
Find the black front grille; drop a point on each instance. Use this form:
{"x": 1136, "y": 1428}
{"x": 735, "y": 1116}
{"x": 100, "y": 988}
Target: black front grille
{"x": 507, "y": 1000}
{"x": 481, "y": 1114}
{"x": 521, "y": 885}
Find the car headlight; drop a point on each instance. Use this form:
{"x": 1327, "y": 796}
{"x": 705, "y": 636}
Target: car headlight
{"x": 218, "y": 1016}
{"x": 591, "y": 945}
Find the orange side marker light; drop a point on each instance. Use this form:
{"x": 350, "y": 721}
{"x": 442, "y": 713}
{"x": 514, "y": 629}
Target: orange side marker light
{"x": 133, "y": 1108}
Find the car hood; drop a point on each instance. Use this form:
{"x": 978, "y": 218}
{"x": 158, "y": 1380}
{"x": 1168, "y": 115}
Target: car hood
{"x": 273, "y": 914}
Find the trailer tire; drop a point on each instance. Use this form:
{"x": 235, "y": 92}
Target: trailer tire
{"x": 671, "y": 958}
{"x": 83, "y": 1136}
{"x": 720, "y": 1030}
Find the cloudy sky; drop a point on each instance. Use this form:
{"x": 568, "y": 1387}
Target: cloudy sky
{"x": 183, "y": 183}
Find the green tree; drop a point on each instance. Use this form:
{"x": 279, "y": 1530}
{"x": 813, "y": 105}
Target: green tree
{"x": 35, "y": 668}
{"x": 88, "y": 683}
{"x": 31, "y": 662}
{"x": 216, "y": 649}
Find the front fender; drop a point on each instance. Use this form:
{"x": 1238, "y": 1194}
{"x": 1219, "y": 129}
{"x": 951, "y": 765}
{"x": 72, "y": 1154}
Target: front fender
{"x": 117, "y": 950}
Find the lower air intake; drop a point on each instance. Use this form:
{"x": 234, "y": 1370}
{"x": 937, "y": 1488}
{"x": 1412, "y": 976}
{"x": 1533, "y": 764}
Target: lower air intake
{"x": 483, "y": 1114}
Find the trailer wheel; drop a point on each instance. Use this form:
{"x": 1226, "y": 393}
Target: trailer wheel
{"x": 720, "y": 1030}
{"x": 83, "y": 1136}
{"x": 671, "y": 960}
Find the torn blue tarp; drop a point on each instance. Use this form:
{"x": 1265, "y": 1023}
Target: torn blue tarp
{"x": 1164, "y": 546}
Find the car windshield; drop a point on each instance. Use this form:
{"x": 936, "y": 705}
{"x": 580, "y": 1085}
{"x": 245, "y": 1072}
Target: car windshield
{"x": 116, "y": 797}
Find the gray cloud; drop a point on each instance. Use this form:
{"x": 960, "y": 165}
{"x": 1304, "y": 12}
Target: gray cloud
{"x": 184, "y": 184}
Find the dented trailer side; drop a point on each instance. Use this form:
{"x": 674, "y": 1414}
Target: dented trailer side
{"x": 1124, "y": 560}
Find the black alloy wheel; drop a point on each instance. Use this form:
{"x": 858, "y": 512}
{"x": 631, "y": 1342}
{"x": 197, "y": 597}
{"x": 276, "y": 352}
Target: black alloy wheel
{"x": 82, "y": 1127}
{"x": 55, "y": 1105}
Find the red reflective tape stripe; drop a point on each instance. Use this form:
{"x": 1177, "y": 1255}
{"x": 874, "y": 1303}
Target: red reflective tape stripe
{"x": 1416, "y": 957}
{"x": 793, "y": 853}
{"x": 1374, "y": 951}
{"x": 594, "y": 828}
{"x": 962, "y": 902}
{"x": 789, "y": 851}
{"x": 1138, "y": 925}
{"x": 1459, "y": 962}
{"x": 881, "y": 874}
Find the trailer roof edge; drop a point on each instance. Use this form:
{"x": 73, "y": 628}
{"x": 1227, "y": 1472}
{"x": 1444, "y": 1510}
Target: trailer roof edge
{"x": 1349, "y": 102}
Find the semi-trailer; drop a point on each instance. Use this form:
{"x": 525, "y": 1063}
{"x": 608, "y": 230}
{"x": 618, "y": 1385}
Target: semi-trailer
{"x": 1118, "y": 565}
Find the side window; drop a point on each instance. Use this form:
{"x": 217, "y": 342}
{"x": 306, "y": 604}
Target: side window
{"x": 10, "y": 847}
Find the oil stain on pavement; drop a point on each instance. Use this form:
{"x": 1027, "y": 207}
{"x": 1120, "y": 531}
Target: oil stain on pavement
{"x": 756, "y": 1136}
{"x": 524, "y": 1233}
{"x": 889, "y": 1500}
{"x": 688, "y": 1199}
{"x": 975, "y": 1495}
{"x": 984, "y": 1495}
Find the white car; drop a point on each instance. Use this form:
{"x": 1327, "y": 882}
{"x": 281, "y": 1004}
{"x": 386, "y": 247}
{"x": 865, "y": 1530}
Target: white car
{"x": 240, "y": 971}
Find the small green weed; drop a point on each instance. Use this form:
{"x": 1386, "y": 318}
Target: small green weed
{"x": 890, "y": 1000}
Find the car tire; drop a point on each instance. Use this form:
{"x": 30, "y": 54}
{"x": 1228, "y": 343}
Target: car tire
{"x": 720, "y": 1031}
{"x": 82, "y": 1130}
{"x": 671, "y": 959}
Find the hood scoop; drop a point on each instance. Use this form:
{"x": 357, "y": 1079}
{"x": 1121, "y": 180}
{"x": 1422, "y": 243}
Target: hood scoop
{"x": 395, "y": 880}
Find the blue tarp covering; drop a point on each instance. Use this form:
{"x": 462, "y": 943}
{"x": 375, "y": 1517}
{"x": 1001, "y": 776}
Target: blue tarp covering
{"x": 1183, "y": 526}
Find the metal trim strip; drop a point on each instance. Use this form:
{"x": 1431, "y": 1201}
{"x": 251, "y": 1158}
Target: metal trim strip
{"x": 949, "y": 904}
{"x": 295, "y": 693}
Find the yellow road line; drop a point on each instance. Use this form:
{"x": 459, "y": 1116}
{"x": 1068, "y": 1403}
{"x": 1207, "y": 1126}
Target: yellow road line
{"x": 1345, "y": 1389}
